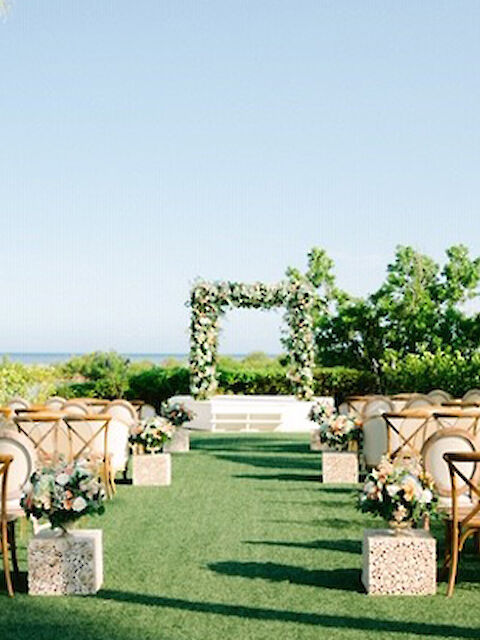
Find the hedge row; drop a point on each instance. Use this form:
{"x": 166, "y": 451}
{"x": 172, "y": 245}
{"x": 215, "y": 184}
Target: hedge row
{"x": 157, "y": 384}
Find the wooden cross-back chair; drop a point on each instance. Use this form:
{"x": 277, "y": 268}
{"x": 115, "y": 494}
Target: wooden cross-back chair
{"x": 57, "y": 435}
{"x": 407, "y": 436}
{"x": 460, "y": 417}
{"x": 464, "y": 521}
{"x": 5, "y": 462}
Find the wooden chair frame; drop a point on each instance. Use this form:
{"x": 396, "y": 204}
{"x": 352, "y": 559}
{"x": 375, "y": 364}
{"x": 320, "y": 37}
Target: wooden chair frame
{"x": 423, "y": 415}
{"x": 5, "y": 462}
{"x": 463, "y": 525}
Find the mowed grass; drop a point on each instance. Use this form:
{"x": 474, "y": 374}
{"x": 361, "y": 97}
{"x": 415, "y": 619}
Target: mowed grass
{"x": 245, "y": 545}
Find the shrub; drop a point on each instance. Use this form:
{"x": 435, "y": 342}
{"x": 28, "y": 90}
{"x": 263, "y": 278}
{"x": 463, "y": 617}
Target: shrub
{"x": 448, "y": 370}
{"x": 159, "y": 383}
{"x": 106, "y": 372}
{"x": 32, "y": 382}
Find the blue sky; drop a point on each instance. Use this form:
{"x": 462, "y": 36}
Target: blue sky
{"x": 143, "y": 144}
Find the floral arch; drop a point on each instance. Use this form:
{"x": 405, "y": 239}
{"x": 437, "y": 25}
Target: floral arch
{"x": 210, "y": 300}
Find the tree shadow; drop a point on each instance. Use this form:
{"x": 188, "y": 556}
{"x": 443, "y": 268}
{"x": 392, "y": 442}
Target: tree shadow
{"x": 296, "y": 477}
{"x": 270, "y": 462}
{"x": 236, "y": 442}
{"x": 344, "y": 579}
{"x": 344, "y": 546}
{"x": 373, "y": 625}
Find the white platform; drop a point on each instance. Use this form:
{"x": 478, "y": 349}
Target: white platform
{"x": 250, "y": 413}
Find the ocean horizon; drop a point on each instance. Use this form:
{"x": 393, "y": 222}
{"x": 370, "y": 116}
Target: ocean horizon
{"x": 58, "y": 357}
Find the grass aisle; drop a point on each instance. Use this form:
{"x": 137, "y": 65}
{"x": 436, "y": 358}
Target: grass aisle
{"x": 245, "y": 545}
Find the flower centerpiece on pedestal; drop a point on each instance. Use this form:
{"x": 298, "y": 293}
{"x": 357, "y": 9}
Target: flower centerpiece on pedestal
{"x": 64, "y": 493}
{"x": 176, "y": 413}
{"x": 62, "y": 562}
{"x": 401, "y": 492}
{"x": 151, "y": 466}
{"x": 335, "y": 430}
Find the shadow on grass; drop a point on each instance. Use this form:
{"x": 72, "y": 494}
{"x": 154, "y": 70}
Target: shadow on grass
{"x": 239, "y": 442}
{"x": 344, "y": 579}
{"x": 328, "y": 621}
{"x": 344, "y": 546}
{"x": 296, "y": 477}
{"x": 271, "y": 462}
{"x": 19, "y": 583}
{"x": 330, "y": 523}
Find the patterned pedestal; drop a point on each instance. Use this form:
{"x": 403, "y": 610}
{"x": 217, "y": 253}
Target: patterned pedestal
{"x": 65, "y": 564}
{"x": 180, "y": 443}
{"x": 152, "y": 470}
{"x": 339, "y": 467}
{"x": 404, "y": 564}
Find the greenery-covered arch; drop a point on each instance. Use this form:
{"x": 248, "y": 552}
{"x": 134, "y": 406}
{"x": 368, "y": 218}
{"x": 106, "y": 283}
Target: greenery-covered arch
{"x": 210, "y": 300}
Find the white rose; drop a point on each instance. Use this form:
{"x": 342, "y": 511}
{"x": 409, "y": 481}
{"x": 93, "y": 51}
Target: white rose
{"x": 79, "y": 504}
{"x": 426, "y": 496}
{"x": 393, "y": 489}
{"x": 62, "y": 479}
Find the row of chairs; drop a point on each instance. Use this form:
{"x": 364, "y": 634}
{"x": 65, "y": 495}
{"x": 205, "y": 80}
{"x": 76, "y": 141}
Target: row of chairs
{"x": 60, "y": 428}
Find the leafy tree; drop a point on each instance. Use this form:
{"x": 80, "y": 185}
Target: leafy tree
{"x": 418, "y": 308}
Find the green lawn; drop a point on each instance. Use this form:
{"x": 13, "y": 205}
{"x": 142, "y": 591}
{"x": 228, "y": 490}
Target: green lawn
{"x": 245, "y": 545}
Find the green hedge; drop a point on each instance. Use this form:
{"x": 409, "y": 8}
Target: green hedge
{"x": 157, "y": 384}
{"x": 421, "y": 373}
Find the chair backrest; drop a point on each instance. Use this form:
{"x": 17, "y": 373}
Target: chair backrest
{"x": 447, "y": 441}
{"x": 122, "y": 410}
{"x": 24, "y": 460}
{"x": 118, "y": 446}
{"x": 472, "y": 396}
{"x": 55, "y": 403}
{"x": 418, "y": 401}
{"x": 75, "y": 408}
{"x": 147, "y": 411}
{"x": 87, "y": 435}
{"x": 18, "y": 403}
{"x": 376, "y": 406}
{"x": 374, "y": 440}
{"x": 460, "y": 483}
{"x": 439, "y": 396}
{"x": 46, "y": 433}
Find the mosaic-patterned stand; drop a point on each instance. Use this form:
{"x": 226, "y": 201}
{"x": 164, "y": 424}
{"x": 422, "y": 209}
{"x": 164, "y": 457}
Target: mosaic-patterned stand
{"x": 152, "y": 470}
{"x": 339, "y": 467}
{"x": 180, "y": 443}
{"x": 65, "y": 564}
{"x": 399, "y": 564}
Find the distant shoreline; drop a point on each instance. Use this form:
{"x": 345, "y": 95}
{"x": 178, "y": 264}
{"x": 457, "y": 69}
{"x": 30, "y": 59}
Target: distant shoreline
{"x": 57, "y": 357}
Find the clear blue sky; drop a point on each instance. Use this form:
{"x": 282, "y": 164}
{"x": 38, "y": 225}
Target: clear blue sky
{"x": 145, "y": 143}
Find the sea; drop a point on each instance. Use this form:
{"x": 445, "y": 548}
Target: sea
{"x": 56, "y": 358}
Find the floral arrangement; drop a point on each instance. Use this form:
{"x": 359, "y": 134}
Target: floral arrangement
{"x": 176, "y": 413}
{"x": 151, "y": 435}
{"x": 401, "y": 492}
{"x": 63, "y": 493}
{"x": 335, "y": 430}
{"x": 210, "y": 300}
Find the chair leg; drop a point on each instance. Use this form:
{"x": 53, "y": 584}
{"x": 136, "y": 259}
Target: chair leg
{"x": 13, "y": 548}
{"x": 453, "y": 563}
{"x": 6, "y": 566}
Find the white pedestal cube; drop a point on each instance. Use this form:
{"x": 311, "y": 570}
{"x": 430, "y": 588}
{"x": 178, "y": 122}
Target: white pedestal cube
{"x": 339, "y": 467}
{"x": 180, "y": 443}
{"x": 402, "y": 564}
{"x": 152, "y": 470}
{"x": 65, "y": 564}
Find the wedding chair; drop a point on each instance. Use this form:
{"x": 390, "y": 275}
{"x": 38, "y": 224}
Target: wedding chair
{"x": 46, "y": 432}
{"x": 353, "y": 405}
{"x": 19, "y": 450}
{"x": 147, "y": 411}
{"x": 88, "y": 437}
{"x": 464, "y": 469}
{"x": 5, "y": 462}
{"x": 122, "y": 410}
{"x": 18, "y": 403}
{"x": 472, "y": 396}
{"x": 408, "y": 430}
{"x": 75, "y": 407}
{"x": 374, "y": 440}
{"x": 439, "y": 396}
{"x": 418, "y": 401}
{"x": 376, "y": 406}
{"x": 55, "y": 403}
